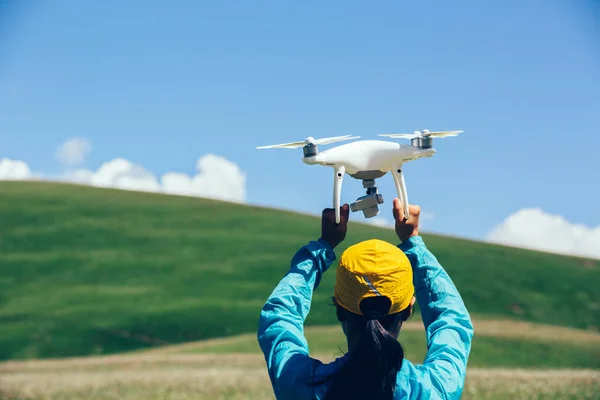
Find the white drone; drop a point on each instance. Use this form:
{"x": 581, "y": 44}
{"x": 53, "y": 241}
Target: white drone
{"x": 368, "y": 160}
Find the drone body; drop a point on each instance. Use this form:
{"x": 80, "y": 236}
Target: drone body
{"x": 367, "y": 157}
{"x": 368, "y": 160}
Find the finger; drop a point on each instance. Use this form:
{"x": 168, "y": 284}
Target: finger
{"x": 401, "y": 213}
{"x": 414, "y": 210}
{"x": 397, "y": 208}
{"x": 344, "y": 213}
{"x": 328, "y": 214}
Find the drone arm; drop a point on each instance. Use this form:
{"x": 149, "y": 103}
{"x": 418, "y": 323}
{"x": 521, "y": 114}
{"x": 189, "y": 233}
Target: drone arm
{"x": 401, "y": 187}
{"x": 338, "y": 178}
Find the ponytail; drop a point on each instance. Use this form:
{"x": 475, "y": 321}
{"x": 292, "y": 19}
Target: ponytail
{"x": 373, "y": 364}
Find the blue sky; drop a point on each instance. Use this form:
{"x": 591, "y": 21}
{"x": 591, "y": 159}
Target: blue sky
{"x": 162, "y": 84}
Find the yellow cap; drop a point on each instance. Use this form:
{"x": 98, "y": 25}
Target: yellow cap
{"x": 374, "y": 268}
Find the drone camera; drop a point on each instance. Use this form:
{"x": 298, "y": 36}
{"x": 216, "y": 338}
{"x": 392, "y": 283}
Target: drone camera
{"x": 368, "y": 204}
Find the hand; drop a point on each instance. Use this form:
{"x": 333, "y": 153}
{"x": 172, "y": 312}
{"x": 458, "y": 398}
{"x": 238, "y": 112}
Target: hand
{"x": 406, "y": 228}
{"x": 332, "y": 232}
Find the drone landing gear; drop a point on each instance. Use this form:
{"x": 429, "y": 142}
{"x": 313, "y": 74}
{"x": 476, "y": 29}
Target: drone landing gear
{"x": 368, "y": 204}
{"x": 337, "y": 190}
{"x": 401, "y": 187}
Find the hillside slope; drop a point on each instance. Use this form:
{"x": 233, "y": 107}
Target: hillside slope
{"x": 86, "y": 270}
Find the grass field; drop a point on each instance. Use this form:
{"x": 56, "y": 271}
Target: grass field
{"x": 233, "y": 368}
{"x": 88, "y": 271}
{"x": 237, "y": 376}
{"x": 175, "y": 286}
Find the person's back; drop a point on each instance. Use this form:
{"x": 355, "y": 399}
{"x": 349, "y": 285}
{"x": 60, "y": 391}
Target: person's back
{"x": 376, "y": 285}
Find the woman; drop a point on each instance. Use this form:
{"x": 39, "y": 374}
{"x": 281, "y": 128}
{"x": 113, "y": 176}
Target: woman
{"x": 375, "y": 289}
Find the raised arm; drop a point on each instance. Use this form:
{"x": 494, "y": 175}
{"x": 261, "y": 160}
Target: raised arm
{"x": 447, "y": 322}
{"x": 281, "y": 324}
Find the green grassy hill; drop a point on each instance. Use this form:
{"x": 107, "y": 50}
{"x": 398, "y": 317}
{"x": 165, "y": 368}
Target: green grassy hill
{"x": 89, "y": 271}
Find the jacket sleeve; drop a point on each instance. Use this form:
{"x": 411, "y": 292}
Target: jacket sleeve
{"x": 447, "y": 322}
{"x": 281, "y": 324}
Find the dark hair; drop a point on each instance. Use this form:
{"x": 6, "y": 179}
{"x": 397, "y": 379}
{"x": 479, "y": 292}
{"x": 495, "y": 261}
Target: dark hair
{"x": 371, "y": 369}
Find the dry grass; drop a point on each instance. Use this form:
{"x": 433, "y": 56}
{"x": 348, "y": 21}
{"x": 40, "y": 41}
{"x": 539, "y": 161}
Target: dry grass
{"x": 170, "y": 373}
{"x": 498, "y": 328}
{"x": 238, "y": 376}
{"x": 532, "y": 384}
{"x": 502, "y": 328}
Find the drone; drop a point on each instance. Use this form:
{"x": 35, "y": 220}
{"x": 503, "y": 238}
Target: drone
{"x": 367, "y": 160}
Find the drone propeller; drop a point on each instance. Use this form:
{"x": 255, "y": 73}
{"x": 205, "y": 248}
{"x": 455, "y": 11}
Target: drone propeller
{"x": 308, "y": 141}
{"x": 413, "y": 135}
{"x": 424, "y": 133}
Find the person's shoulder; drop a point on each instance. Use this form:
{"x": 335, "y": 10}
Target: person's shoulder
{"x": 326, "y": 370}
{"x": 323, "y": 374}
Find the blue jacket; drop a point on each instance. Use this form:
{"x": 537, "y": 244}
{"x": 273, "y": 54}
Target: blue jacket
{"x": 447, "y": 325}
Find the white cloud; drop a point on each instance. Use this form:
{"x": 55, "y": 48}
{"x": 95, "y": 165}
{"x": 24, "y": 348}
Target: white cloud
{"x": 216, "y": 177}
{"x": 73, "y": 152}
{"x": 14, "y": 170}
{"x": 81, "y": 176}
{"x": 535, "y": 229}
{"x": 123, "y": 174}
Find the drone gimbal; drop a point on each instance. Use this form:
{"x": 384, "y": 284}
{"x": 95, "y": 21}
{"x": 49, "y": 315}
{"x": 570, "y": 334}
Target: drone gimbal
{"x": 368, "y": 204}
